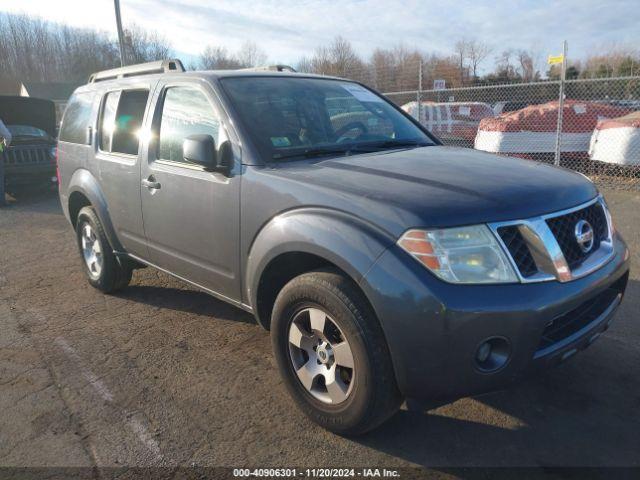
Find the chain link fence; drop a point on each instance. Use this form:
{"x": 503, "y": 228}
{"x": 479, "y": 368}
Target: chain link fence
{"x": 596, "y": 132}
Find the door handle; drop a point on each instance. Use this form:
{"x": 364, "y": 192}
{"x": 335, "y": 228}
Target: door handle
{"x": 150, "y": 183}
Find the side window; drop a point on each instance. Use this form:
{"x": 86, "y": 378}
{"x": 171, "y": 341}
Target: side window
{"x": 108, "y": 120}
{"x": 185, "y": 111}
{"x": 77, "y": 118}
{"x": 128, "y": 120}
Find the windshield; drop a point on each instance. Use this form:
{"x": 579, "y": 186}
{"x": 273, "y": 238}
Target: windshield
{"x": 27, "y": 131}
{"x": 291, "y": 118}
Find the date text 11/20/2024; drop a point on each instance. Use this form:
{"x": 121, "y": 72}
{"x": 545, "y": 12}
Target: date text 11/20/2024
{"x": 316, "y": 472}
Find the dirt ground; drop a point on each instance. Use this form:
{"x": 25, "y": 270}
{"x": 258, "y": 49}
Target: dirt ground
{"x": 164, "y": 375}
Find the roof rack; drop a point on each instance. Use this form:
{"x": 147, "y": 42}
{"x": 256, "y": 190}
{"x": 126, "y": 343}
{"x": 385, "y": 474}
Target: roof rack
{"x": 271, "y": 68}
{"x": 161, "y": 66}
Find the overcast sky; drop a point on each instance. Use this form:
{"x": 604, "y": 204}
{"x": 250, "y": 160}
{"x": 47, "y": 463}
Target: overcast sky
{"x": 289, "y": 29}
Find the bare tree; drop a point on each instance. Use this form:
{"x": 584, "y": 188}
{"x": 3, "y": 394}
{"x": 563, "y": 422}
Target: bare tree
{"x": 612, "y": 61}
{"x": 527, "y": 68}
{"x": 321, "y": 62}
{"x": 32, "y": 49}
{"x": 445, "y": 68}
{"x": 383, "y": 70}
{"x": 476, "y": 53}
{"x": 143, "y": 46}
{"x": 461, "y": 49}
{"x": 395, "y": 69}
{"x": 505, "y": 70}
{"x": 251, "y": 55}
{"x": 339, "y": 59}
{"x": 408, "y": 62}
{"x": 304, "y": 65}
{"x": 345, "y": 60}
{"x": 218, "y": 58}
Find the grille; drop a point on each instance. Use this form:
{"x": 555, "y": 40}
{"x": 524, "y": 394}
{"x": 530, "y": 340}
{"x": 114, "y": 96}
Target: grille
{"x": 519, "y": 250}
{"x": 27, "y": 155}
{"x": 563, "y": 229}
{"x": 566, "y": 325}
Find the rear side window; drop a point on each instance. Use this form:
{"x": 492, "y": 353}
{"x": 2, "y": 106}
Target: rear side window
{"x": 77, "y": 118}
{"x": 185, "y": 111}
{"x": 122, "y": 115}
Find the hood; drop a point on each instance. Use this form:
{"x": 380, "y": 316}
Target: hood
{"x": 439, "y": 187}
{"x": 35, "y": 112}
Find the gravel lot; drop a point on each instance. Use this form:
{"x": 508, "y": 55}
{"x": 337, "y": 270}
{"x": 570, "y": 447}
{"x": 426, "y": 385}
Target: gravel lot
{"x": 164, "y": 375}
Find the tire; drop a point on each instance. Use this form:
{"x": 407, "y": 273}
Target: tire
{"x": 107, "y": 273}
{"x": 370, "y": 391}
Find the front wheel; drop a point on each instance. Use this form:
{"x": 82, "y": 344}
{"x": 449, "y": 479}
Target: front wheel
{"x": 332, "y": 354}
{"x": 103, "y": 269}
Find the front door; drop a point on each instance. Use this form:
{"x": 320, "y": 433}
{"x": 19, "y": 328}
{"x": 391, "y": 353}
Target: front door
{"x": 191, "y": 216}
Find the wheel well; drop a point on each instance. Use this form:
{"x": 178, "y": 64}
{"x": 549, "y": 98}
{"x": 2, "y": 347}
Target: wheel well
{"x": 76, "y": 202}
{"x": 278, "y": 273}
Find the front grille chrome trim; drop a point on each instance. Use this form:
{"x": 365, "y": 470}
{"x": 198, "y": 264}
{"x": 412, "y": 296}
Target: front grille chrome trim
{"x": 546, "y": 251}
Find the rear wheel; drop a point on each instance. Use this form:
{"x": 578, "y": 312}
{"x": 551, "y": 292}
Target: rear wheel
{"x": 103, "y": 269}
{"x": 332, "y": 354}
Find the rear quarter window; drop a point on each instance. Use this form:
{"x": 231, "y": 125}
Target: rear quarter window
{"x": 77, "y": 118}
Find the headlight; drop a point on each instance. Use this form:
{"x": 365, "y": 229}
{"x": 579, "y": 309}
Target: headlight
{"x": 460, "y": 255}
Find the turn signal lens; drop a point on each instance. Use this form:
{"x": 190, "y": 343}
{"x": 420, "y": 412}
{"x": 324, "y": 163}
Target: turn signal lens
{"x": 416, "y": 243}
{"x": 460, "y": 255}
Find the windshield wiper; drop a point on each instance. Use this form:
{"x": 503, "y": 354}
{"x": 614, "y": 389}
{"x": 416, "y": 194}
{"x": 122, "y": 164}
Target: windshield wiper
{"x": 389, "y": 144}
{"x": 311, "y": 153}
{"x": 350, "y": 149}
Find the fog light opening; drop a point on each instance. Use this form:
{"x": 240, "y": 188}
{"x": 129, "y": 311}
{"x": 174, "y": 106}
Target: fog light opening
{"x": 492, "y": 354}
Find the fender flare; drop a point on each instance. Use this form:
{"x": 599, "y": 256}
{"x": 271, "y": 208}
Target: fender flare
{"x": 347, "y": 241}
{"x": 83, "y": 181}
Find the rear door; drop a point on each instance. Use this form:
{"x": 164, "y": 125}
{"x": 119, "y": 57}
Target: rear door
{"x": 191, "y": 216}
{"x": 118, "y": 146}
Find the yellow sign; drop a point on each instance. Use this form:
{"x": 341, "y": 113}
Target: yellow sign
{"x": 553, "y": 59}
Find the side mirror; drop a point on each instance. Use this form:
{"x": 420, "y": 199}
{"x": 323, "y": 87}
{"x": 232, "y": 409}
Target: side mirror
{"x": 201, "y": 150}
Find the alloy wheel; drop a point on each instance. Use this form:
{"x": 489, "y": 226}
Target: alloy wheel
{"x": 321, "y": 356}
{"x": 91, "y": 251}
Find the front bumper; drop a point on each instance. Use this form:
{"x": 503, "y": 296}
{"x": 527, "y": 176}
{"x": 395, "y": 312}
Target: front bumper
{"x": 28, "y": 173}
{"x": 433, "y": 328}
{"x": 31, "y": 175}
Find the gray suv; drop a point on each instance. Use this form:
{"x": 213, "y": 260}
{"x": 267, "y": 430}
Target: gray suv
{"x": 386, "y": 266}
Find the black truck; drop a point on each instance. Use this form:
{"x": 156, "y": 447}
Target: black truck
{"x": 30, "y": 160}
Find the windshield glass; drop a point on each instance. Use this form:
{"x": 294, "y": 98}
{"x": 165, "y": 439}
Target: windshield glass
{"x": 291, "y": 118}
{"x": 26, "y": 131}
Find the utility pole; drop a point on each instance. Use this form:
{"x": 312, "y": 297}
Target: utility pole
{"x": 563, "y": 77}
{"x": 2, "y": 162}
{"x": 123, "y": 60}
{"x": 419, "y": 93}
